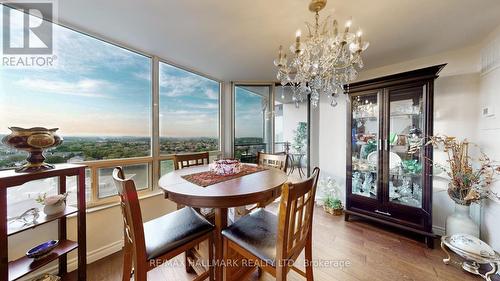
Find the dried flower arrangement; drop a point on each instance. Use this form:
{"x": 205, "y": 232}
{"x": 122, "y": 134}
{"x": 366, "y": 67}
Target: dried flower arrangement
{"x": 471, "y": 178}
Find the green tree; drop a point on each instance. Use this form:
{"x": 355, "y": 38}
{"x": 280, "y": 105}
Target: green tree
{"x": 300, "y": 137}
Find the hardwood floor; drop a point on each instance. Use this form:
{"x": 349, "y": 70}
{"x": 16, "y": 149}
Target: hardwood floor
{"x": 373, "y": 252}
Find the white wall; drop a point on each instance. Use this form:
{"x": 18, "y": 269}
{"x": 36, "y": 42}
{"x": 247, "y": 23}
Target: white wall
{"x": 332, "y": 141}
{"x": 489, "y": 130}
{"x": 456, "y": 103}
{"x": 460, "y": 61}
{"x": 456, "y": 99}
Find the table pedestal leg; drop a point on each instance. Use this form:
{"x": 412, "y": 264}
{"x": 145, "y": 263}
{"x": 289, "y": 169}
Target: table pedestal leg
{"x": 220, "y": 223}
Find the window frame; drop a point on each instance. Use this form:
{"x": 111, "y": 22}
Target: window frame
{"x": 234, "y": 84}
{"x": 154, "y": 159}
{"x": 219, "y": 114}
{"x": 273, "y": 85}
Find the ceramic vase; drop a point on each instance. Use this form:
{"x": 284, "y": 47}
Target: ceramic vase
{"x": 461, "y": 222}
{"x": 50, "y": 210}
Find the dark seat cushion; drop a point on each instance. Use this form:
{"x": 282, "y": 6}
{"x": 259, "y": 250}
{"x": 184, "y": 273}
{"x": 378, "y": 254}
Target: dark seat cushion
{"x": 257, "y": 233}
{"x": 172, "y": 230}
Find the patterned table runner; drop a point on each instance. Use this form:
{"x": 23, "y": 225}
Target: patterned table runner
{"x": 207, "y": 178}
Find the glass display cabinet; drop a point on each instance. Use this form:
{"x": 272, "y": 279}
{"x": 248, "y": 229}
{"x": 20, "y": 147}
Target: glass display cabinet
{"x": 389, "y": 174}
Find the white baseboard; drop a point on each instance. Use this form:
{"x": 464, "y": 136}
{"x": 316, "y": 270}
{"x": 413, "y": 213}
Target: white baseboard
{"x": 92, "y": 256}
{"x": 438, "y": 230}
{"x": 97, "y": 254}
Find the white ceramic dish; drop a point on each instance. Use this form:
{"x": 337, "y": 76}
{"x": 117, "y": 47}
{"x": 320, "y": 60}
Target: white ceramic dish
{"x": 394, "y": 159}
{"x": 471, "y": 244}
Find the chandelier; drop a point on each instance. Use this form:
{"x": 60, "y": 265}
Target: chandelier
{"x": 324, "y": 62}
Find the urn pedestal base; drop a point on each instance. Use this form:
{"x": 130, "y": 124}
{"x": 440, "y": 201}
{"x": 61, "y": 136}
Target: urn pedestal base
{"x": 31, "y": 168}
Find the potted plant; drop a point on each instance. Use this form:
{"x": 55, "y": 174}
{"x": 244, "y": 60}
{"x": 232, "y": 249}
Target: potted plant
{"x": 471, "y": 175}
{"x": 333, "y": 206}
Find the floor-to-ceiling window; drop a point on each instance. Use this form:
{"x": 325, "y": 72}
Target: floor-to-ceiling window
{"x": 267, "y": 119}
{"x": 252, "y": 121}
{"x": 101, "y": 97}
{"x": 291, "y": 130}
{"x": 96, "y": 93}
{"x": 189, "y": 113}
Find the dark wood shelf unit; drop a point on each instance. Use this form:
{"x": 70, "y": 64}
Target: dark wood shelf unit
{"x": 18, "y": 268}
{"x": 412, "y": 89}
{"x": 24, "y": 265}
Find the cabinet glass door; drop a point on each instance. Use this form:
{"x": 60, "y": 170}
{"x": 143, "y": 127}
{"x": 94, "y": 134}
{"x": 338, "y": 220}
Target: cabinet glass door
{"x": 405, "y": 158}
{"x": 364, "y": 145}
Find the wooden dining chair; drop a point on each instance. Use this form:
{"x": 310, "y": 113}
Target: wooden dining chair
{"x": 278, "y": 161}
{"x": 148, "y": 245}
{"x": 274, "y": 242}
{"x": 182, "y": 161}
{"x": 192, "y": 159}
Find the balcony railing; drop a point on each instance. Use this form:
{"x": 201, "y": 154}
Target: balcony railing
{"x": 247, "y": 152}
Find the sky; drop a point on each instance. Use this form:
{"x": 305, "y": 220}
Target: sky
{"x": 248, "y": 114}
{"x": 99, "y": 89}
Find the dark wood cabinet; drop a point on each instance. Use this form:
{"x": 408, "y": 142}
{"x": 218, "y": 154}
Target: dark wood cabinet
{"x": 389, "y": 172}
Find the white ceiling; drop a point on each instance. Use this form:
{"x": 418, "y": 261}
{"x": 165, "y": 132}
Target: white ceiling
{"x": 238, "y": 40}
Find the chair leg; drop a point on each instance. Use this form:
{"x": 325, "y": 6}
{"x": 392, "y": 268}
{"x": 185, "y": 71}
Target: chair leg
{"x": 225, "y": 255}
{"x": 281, "y": 273}
{"x": 259, "y": 272}
{"x": 308, "y": 258}
{"x": 187, "y": 264}
{"x": 140, "y": 271}
{"x": 187, "y": 253}
{"x": 211, "y": 257}
{"x": 127, "y": 262}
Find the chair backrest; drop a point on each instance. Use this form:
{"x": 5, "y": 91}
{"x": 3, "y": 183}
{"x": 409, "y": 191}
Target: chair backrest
{"x": 131, "y": 210}
{"x": 295, "y": 217}
{"x": 278, "y": 161}
{"x": 187, "y": 160}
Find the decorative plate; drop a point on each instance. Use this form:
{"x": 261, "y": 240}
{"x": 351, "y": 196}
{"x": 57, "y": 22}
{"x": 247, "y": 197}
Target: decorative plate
{"x": 394, "y": 159}
{"x": 471, "y": 244}
{"x": 42, "y": 250}
{"x": 394, "y": 195}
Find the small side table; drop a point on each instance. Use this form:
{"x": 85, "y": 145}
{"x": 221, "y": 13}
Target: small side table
{"x": 296, "y": 162}
{"x": 471, "y": 260}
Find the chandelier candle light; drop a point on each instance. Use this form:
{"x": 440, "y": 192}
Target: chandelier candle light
{"x": 324, "y": 62}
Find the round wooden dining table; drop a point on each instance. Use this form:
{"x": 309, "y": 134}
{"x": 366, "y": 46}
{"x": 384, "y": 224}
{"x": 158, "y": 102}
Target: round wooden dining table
{"x": 249, "y": 189}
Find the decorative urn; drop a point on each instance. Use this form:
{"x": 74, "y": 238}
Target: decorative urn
{"x": 34, "y": 141}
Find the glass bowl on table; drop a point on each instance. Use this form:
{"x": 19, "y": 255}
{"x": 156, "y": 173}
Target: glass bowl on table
{"x": 225, "y": 167}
